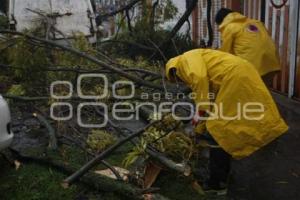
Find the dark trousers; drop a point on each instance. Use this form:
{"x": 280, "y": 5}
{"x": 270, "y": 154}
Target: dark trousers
{"x": 219, "y": 163}
{"x": 219, "y": 167}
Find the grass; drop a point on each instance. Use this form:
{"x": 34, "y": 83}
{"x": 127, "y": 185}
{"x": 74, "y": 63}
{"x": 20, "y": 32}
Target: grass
{"x": 35, "y": 182}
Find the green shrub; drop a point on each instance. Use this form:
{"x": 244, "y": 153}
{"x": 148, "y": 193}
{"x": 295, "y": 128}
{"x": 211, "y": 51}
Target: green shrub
{"x": 3, "y": 22}
{"x": 99, "y": 140}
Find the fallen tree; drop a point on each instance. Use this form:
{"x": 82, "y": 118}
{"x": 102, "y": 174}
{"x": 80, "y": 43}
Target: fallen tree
{"x": 104, "y": 154}
{"x": 86, "y": 56}
{"x": 106, "y": 66}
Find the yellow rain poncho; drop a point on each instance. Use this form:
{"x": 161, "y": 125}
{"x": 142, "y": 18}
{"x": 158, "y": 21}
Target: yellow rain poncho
{"x": 238, "y": 83}
{"x": 249, "y": 39}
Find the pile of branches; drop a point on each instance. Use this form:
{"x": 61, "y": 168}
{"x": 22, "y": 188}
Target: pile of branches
{"x": 145, "y": 79}
{"x": 102, "y": 63}
{"x": 142, "y": 33}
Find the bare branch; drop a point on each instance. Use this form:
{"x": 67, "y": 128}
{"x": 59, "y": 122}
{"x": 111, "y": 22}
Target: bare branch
{"x": 178, "y": 26}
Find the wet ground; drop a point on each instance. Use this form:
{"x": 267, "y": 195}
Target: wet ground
{"x": 272, "y": 173}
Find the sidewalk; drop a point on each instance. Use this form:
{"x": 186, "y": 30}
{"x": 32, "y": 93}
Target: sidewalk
{"x": 272, "y": 173}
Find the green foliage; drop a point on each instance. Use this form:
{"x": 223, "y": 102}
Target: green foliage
{"x": 141, "y": 63}
{"x": 69, "y": 60}
{"x": 168, "y": 10}
{"x": 3, "y": 22}
{"x": 16, "y": 90}
{"x": 163, "y": 12}
{"x": 31, "y": 63}
{"x": 5, "y": 82}
{"x": 100, "y": 140}
{"x": 148, "y": 28}
{"x": 177, "y": 145}
{"x": 137, "y": 151}
{"x": 141, "y": 35}
{"x": 34, "y": 182}
{"x": 180, "y": 146}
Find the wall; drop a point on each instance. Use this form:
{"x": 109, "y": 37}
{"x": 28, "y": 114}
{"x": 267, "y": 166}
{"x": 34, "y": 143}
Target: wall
{"x": 68, "y": 17}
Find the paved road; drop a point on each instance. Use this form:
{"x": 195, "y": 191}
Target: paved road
{"x": 272, "y": 173}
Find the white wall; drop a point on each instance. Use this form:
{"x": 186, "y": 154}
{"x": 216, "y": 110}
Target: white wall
{"x": 74, "y": 15}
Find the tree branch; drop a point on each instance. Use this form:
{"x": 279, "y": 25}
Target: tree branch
{"x": 88, "y": 57}
{"x": 178, "y": 26}
{"x": 128, "y": 21}
{"x": 102, "y": 155}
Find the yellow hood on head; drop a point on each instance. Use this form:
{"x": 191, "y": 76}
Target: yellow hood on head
{"x": 172, "y": 63}
{"x": 232, "y": 17}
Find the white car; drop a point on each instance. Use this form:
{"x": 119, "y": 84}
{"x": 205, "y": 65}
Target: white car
{"x": 6, "y": 135}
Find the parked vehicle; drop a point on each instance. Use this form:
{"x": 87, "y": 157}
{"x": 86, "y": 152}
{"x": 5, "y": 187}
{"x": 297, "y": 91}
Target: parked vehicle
{"x": 6, "y": 134}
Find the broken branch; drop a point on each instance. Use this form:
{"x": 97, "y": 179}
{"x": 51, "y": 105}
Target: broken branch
{"x": 88, "y": 57}
{"x": 102, "y": 155}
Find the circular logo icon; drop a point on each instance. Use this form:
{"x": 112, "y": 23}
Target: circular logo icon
{"x": 252, "y": 28}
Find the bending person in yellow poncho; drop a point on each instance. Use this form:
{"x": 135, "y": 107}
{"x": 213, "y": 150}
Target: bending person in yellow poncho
{"x": 238, "y": 85}
{"x": 248, "y": 39}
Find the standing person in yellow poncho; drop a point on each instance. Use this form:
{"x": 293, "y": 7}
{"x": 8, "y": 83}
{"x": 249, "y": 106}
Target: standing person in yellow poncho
{"x": 237, "y": 83}
{"x": 248, "y": 39}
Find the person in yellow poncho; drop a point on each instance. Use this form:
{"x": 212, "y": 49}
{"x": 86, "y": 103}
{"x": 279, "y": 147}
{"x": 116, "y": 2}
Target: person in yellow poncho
{"x": 237, "y": 83}
{"x": 248, "y": 39}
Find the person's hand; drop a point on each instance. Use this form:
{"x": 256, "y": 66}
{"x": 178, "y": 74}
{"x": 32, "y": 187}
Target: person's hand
{"x": 197, "y": 118}
{"x": 198, "y": 124}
